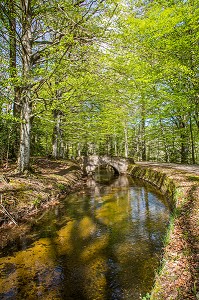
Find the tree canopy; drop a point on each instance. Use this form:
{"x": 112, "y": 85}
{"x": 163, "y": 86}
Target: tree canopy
{"x": 106, "y": 77}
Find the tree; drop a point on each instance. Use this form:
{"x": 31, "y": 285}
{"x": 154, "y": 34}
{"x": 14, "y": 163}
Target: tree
{"x": 108, "y": 77}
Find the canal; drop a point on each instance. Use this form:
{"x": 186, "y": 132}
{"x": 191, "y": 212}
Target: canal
{"x": 102, "y": 243}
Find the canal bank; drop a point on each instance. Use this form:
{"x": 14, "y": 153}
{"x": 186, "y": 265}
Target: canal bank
{"x": 25, "y": 198}
{"x": 178, "y": 275}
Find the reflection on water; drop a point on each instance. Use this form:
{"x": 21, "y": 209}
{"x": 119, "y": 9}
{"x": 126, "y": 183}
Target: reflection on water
{"x": 100, "y": 244}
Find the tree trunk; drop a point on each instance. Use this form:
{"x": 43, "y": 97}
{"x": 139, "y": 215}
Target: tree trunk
{"x": 115, "y": 147}
{"x": 184, "y": 143}
{"x": 192, "y": 141}
{"x": 143, "y": 138}
{"x": 56, "y": 133}
{"x": 166, "y": 156}
{"x": 24, "y": 150}
{"x": 13, "y": 45}
{"x": 13, "y": 74}
{"x": 26, "y": 104}
{"x": 126, "y": 147}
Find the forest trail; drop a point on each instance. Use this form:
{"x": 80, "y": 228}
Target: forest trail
{"x": 185, "y": 168}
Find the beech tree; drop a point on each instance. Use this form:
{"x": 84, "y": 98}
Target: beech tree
{"x": 106, "y": 77}
{"x": 45, "y": 33}
{"x": 157, "y": 46}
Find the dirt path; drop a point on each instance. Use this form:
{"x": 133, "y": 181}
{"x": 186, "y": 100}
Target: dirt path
{"x": 185, "y": 168}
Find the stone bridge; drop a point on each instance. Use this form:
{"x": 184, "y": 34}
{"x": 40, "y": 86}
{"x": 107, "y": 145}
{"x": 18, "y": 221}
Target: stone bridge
{"x": 90, "y": 163}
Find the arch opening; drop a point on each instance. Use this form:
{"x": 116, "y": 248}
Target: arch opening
{"x": 105, "y": 173}
{"x": 108, "y": 167}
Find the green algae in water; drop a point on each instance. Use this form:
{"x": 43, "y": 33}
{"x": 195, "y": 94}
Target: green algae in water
{"x": 107, "y": 248}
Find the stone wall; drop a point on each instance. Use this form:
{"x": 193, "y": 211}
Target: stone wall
{"x": 178, "y": 277}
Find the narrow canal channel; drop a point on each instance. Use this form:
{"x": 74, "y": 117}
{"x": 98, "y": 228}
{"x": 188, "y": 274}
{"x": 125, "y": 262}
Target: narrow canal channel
{"x": 102, "y": 243}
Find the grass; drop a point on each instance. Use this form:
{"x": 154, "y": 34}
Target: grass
{"x": 61, "y": 186}
{"x": 193, "y": 178}
{"x": 146, "y": 297}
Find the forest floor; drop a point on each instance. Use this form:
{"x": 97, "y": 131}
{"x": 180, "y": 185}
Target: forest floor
{"x": 22, "y": 197}
{"x": 179, "y": 276}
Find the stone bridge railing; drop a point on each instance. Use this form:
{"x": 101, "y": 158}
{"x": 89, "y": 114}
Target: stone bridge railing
{"x": 90, "y": 163}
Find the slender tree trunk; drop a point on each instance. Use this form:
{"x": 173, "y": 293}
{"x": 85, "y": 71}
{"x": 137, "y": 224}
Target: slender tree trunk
{"x": 115, "y": 147}
{"x": 56, "y": 133}
{"x": 164, "y": 141}
{"x": 138, "y": 143}
{"x": 196, "y": 117}
{"x": 148, "y": 153}
{"x": 173, "y": 154}
{"x": 143, "y": 139}
{"x": 108, "y": 146}
{"x": 158, "y": 150}
{"x": 192, "y": 141}
{"x": 26, "y": 104}
{"x": 78, "y": 149}
{"x": 24, "y": 151}
{"x": 126, "y": 146}
{"x": 184, "y": 143}
{"x": 14, "y": 146}
{"x": 67, "y": 150}
{"x": 13, "y": 53}
{"x": 12, "y": 38}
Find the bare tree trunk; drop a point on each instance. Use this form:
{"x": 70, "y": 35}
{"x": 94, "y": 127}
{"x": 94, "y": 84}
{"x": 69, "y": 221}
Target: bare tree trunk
{"x": 24, "y": 150}
{"x": 126, "y": 146}
{"x": 184, "y": 143}
{"x": 26, "y": 104}
{"x": 164, "y": 141}
{"x": 13, "y": 45}
{"x": 56, "y": 133}
{"x": 13, "y": 74}
{"x": 143, "y": 138}
{"x": 192, "y": 141}
{"x": 78, "y": 149}
{"x": 115, "y": 147}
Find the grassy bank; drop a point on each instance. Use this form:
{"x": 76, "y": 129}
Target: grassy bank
{"x": 177, "y": 277}
{"x": 24, "y": 196}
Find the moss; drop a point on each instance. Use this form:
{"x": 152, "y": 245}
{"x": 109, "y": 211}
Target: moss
{"x": 193, "y": 178}
{"x": 180, "y": 196}
{"x": 61, "y": 186}
{"x": 37, "y": 201}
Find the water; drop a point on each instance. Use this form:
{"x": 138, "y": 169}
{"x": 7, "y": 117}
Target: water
{"x": 102, "y": 243}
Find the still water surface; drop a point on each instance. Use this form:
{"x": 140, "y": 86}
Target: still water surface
{"x": 102, "y": 243}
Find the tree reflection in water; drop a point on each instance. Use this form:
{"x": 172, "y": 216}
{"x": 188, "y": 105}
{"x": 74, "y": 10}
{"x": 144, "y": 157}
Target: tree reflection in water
{"x": 102, "y": 243}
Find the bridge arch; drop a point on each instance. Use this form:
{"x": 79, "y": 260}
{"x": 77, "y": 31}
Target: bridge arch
{"x": 90, "y": 163}
{"x": 102, "y": 164}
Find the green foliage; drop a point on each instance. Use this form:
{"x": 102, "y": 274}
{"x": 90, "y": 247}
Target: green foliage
{"x": 37, "y": 201}
{"x": 61, "y": 186}
{"x": 147, "y": 296}
{"x": 122, "y": 77}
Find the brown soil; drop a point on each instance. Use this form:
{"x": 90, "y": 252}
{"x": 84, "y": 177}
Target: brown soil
{"x": 24, "y": 196}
